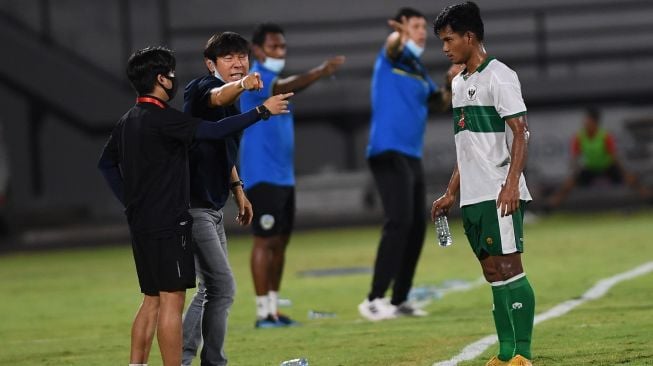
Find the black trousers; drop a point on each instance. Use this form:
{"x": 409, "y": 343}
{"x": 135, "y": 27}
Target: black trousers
{"x": 400, "y": 181}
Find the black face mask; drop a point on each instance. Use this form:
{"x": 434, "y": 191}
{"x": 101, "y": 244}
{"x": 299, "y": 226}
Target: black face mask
{"x": 172, "y": 91}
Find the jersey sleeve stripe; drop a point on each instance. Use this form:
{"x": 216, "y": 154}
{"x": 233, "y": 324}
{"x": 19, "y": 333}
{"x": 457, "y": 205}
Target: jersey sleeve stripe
{"x": 515, "y": 115}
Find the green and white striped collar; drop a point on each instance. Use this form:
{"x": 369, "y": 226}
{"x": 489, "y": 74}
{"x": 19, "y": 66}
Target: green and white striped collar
{"x": 480, "y": 67}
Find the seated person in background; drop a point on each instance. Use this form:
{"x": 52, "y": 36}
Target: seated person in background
{"x": 594, "y": 155}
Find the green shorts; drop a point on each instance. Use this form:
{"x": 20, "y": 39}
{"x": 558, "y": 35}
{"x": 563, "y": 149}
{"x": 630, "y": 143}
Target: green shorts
{"x": 488, "y": 232}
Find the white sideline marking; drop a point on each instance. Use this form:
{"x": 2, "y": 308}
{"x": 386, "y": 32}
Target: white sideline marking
{"x": 475, "y": 349}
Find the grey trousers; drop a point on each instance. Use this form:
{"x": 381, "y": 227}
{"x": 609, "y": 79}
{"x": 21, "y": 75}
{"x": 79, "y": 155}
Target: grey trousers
{"x": 206, "y": 316}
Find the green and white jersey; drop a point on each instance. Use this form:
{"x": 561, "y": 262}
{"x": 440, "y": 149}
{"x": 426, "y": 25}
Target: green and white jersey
{"x": 481, "y": 103}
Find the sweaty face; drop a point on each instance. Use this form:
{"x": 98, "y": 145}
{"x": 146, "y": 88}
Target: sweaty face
{"x": 274, "y": 45}
{"x": 416, "y": 27}
{"x": 455, "y": 46}
{"x": 232, "y": 67}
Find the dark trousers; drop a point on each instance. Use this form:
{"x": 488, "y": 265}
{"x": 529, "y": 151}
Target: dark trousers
{"x": 400, "y": 181}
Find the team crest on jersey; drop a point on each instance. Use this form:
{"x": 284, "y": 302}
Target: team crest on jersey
{"x": 489, "y": 241}
{"x": 267, "y": 221}
{"x": 471, "y": 93}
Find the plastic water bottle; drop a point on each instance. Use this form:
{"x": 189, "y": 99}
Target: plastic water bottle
{"x": 295, "y": 362}
{"x": 442, "y": 231}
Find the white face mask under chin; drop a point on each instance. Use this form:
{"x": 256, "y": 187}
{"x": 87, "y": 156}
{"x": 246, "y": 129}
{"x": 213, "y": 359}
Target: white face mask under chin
{"x": 217, "y": 75}
{"x": 274, "y": 64}
{"x": 414, "y": 48}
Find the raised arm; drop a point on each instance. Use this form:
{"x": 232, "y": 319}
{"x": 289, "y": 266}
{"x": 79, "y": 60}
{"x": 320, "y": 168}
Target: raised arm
{"x": 228, "y": 93}
{"x": 508, "y": 200}
{"x": 296, "y": 83}
{"x": 394, "y": 44}
{"x": 277, "y": 104}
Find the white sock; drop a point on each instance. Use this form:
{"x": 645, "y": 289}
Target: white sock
{"x": 273, "y": 296}
{"x": 262, "y": 307}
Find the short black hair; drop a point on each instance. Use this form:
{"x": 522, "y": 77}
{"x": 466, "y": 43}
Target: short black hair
{"x": 262, "y": 30}
{"x": 144, "y": 65}
{"x": 408, "y": 13}
{"x": 593, "y": 113}
{"x": 464, "y": 17}
{"x": 225, "y": 43}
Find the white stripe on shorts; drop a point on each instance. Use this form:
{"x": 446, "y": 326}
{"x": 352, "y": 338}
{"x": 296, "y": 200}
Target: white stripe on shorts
{"x": 507, "y": 230}
{"x": 512, "y": 279}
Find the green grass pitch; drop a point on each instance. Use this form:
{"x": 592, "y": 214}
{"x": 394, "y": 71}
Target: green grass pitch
{"x": 74, "y": 307}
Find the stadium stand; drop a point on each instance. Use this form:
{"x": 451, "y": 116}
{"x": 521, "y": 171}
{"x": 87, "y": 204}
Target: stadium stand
{"x": 63, "y": 86}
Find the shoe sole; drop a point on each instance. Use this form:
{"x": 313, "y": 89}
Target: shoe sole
{"x": 362, "y": 311}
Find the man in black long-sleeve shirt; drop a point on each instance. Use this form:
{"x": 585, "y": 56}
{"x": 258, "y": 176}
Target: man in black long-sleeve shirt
{"x": 145, "y": 162}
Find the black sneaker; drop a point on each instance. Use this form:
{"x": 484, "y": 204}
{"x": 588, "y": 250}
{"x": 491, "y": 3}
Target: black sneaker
{"x": 407, "y": 309}
{"x": 285, "y": 320}
{"x": 268, "y": 322}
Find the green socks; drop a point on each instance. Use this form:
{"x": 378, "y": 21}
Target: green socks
{"x": 522, "y": 304}
{"x": 503, "y": 322}
{"x": 514, "y": 312}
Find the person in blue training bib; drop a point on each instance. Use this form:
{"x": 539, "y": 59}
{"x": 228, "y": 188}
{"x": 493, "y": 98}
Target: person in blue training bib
{"x": 402, "y": 93}
{"x": 491, "y": 135}
{"x": 266, "y": 165}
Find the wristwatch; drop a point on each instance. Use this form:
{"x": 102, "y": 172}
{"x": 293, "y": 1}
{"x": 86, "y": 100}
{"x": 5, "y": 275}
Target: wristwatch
{"x": 263, "y": 112}
{"x": 238, "y": 183}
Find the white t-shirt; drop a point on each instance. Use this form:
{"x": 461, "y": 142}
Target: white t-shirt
{"x": 481, "y": 103}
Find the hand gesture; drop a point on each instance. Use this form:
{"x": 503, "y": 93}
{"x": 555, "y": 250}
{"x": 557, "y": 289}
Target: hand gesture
{"x": 508, "y": 200}
{"x": 442, "y": 205}
{"x": 252, "y": 82}
{"x": 400, "y": 27}
{"x": 330, "y": 66}
{"x": 278, "y": 104}
{"x": 245, "y": 211}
